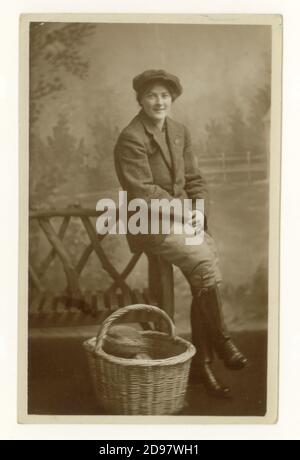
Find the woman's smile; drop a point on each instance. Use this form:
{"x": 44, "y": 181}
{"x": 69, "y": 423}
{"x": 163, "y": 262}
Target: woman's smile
{"x": 156, "y": 102}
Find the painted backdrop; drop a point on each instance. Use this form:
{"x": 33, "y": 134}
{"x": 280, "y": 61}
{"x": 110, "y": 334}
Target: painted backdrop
{"x": 81, "y": 97}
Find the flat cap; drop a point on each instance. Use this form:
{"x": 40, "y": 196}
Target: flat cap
{"x": 140, "y": 81}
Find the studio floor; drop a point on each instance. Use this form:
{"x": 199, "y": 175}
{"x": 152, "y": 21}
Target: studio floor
{"x": 59, "y": 381}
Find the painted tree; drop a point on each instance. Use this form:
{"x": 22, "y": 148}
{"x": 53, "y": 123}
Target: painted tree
{"x": 56, "y": 54}
{"x": 259, "y": 104}
{"x": 54, "y": 162}
{"x": 100, "y": 162}
{"x": 237, "y": 137}
{"x": 56, "y": 51}
{"x": 215, "y": 137}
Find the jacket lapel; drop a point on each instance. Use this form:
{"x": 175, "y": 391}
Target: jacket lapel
{"x": 175, "y": 141}
{"x": 158, "y": 137}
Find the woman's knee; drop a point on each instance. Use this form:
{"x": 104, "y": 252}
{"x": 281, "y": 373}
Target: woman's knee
{"x": 204, "y": 275}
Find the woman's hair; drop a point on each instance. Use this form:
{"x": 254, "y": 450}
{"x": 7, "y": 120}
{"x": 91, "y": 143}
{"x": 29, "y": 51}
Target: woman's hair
{"x": 150, "y": 84}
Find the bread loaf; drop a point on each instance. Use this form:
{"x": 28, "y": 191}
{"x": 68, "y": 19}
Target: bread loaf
{"x": 125, "y": 342}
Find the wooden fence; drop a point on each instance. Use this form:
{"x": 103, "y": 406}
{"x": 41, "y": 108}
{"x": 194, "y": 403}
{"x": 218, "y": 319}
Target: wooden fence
{"x": 74, "y": 306}
{"x": 249, "y": 168}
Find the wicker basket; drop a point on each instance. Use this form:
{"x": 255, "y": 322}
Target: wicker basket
{"x": 141, "y": 386}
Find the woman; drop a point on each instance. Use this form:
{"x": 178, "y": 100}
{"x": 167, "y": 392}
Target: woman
{"x": 154, "y": 159}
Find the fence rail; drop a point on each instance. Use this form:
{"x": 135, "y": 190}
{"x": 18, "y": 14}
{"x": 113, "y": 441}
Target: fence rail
{"x": 251, "y": 167}
{"x": 51, "y": 309}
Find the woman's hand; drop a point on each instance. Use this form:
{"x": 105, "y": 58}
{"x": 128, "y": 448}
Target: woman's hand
{"x": 196, "y": 220}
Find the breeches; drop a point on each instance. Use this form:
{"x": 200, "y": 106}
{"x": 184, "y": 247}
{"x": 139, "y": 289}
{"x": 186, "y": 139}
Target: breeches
{"x": 199, "y": 263}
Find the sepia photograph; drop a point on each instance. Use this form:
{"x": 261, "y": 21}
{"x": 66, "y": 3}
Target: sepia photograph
{"x": 150, "y": 193}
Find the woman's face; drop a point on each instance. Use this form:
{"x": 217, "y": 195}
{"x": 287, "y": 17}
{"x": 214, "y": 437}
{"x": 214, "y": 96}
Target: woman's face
{"x": 156, "y": 102}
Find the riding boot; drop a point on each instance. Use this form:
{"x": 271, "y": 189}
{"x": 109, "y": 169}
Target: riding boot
{"x": 223, "y": 345}
{"x": 201, "y": 370}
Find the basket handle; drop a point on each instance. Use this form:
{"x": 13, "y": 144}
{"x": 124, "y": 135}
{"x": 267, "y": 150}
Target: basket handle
{"x": 153, "y": 311}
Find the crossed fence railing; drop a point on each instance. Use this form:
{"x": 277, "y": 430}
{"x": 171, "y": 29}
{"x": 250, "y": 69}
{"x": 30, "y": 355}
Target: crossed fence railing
{"x": 75, "y": 306}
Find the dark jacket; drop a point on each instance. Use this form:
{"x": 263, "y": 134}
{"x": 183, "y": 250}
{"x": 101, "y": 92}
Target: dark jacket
{"x": 148, "y": 167}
